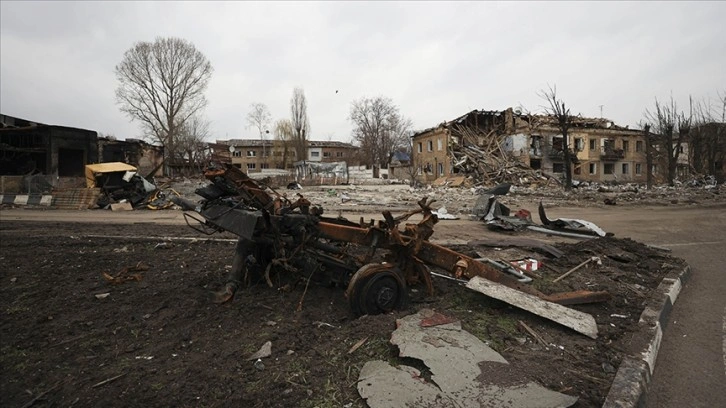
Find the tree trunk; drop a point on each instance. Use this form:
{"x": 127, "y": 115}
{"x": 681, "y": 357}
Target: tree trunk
{"x": 648, "y": 158}
{"x": 568, "y": 161}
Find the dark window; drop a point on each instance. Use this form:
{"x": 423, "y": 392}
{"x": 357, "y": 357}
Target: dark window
{"x": 71, "y": 162}
{"x": 558, "y": 167}
{"x": 625, "y": 168}
{"x": 639, "y": 146}
{"x": 535, "y": 164}
{"x": 593, "y": 144}
{"x": 609, "y": 168}
{"x": 638, "y": 168}
{"x": 626, "y": 145}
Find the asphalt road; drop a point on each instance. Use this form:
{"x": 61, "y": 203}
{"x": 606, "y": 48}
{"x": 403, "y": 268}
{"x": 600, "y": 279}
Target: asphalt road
{"x": 691, "y": 366}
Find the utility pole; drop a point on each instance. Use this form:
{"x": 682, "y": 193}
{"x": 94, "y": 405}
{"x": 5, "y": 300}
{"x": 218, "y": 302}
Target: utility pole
{"x": 601, "y": 110}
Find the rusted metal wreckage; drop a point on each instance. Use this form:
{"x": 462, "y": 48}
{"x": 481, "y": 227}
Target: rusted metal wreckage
{"x": 295, "y": 236}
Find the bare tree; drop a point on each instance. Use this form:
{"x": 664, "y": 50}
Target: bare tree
{"x": 670, "y": 128}
{"x": 380, "y": 129}
{"x": 259, "y": 117}
{"x": 191, "y": 147}
{"x": 648, "y": 157}
{"x": 707, "y": 140}
{"x": 162, "y": 84}
{"x": 562, "y": 114}
{"x": 300, "y": 123}
{"x": 283, "y": 142}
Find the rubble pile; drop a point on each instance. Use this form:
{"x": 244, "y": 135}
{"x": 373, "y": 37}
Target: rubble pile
{"x": 487, "y": 163}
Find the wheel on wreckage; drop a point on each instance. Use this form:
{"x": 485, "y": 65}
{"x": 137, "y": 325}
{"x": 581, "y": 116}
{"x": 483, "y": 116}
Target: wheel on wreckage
{"x": 376, "y": 289}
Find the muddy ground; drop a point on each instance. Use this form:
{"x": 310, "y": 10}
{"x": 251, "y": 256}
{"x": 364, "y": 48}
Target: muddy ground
{"x": 159, "y": 341}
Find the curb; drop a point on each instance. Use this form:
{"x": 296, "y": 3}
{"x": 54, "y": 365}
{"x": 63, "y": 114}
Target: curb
{"x": 26, "y": 199}
{"x": 630, "y": 386}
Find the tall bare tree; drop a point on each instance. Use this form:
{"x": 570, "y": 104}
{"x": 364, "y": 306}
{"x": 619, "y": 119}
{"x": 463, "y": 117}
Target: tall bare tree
{"x": 259, "y": 117}
{"x": 283, "y": 142}
{"x": 562, "y": 114}
{"x": 670, "y": 129}
{"x": 380, "y": 129}
{"x": 161, "y": 85}
{"x": 707, "y": 141}
{"x": 300, "y": 123}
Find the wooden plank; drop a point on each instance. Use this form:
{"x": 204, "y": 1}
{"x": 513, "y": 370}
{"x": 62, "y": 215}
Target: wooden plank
{"x": 580, "y": 322}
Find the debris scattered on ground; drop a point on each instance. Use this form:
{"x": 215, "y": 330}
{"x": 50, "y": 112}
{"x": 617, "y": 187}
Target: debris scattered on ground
{"x": 580, "y": 322}
{"x": 585, "y": 262}
{"x": 264, "y": 351}
{"x": 127, "y": 274}
{"x": 453, "y": 357}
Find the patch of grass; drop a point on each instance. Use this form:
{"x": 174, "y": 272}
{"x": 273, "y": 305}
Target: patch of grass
{"x": 330, "y": 397}
{"x": 16, "y": 309}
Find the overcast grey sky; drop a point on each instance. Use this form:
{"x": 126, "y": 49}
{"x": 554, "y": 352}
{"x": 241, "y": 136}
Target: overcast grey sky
{"x": 435, "y": 60}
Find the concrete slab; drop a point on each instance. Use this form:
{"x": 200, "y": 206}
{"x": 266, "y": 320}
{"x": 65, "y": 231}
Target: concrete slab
{"x": 581, "y": 322}
{"x": 453, "y": 355}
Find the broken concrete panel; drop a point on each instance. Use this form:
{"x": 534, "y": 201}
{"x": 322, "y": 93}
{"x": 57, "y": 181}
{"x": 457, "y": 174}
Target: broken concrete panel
{"x": 581, "y": 322}
{"x": 382, "y": 385}
{"x": 453, "y": 355}
{"x": 121, "y": 207}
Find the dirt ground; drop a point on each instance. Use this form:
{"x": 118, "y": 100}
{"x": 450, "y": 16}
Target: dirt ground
{"x": 159, "y": 341}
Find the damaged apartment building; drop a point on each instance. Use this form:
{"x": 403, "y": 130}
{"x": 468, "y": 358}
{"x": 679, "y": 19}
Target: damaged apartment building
{"x": 506, "y": 146}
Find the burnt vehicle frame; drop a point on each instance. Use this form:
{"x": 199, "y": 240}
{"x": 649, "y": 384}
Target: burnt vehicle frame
{"x": 376, "y": 261}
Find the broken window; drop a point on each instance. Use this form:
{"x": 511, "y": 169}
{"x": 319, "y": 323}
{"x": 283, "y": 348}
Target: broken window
{"x": 440, "y": 144}
{"x": 251, "y": 153}
{"x": 441, "y": 169}
{"x": 557, "y": 143}
{"x": 609, "y": 144}
{"x": 338, "y": 154}
{"x": 251, "y": 166}
{"x": 638, "y": 168}
{"x": 420, "y": 147}
{"x": 326, "y": 154}
{"x": 238, "y": 165}
{"x": 626, "y": 145}
{"x": 314, "y": 154}
{"x": 237, "y": 153}
{"x": 593, "y": 168}
{"x": 264, "y": 166}
{"x": 639, "y": 146}
{"x": 536, "y": 146}
{"x": 558, "y": 167}
{"x": 609, "y": 168}
{"x": 535, "y": 164}
{"x": 430, "y": 146}
{"x": 593, "y": 143}
{"x": 625, "y": 168}
{"x": 578, "y": 169}
{"x": 579, "y": 144}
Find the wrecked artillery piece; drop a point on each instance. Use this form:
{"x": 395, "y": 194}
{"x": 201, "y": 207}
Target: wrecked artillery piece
{"x": 277, "y": 234}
